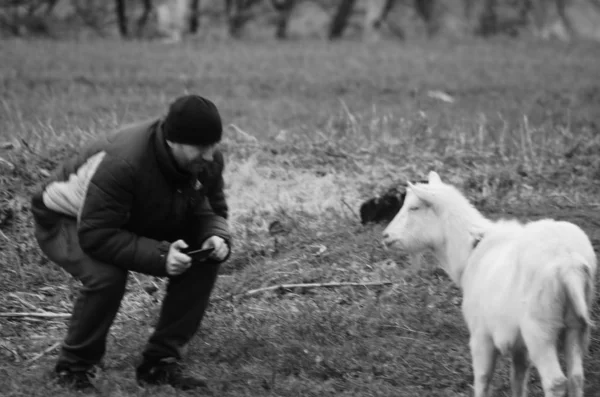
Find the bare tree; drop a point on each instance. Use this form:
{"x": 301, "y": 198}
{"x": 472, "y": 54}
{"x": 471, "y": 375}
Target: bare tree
{"x": 426, "y": 11}
{"x": 20, "y": 16}
{"x": 31, "y": 6}
{"x": 284, "y": 9}
{"x": 122, "y": 20}
{"x": 147, "y": 6}
{"x": 540, "y": 13}
{"x": 377, "y": 14}
{"x": 340, "y": 18}
{"x": 239, "y": 13}
{"x": 488, "y": 21}
{"x": 194, "y": 16}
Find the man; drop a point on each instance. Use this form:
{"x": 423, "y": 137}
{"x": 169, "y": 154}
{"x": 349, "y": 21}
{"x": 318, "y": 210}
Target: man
{"x": 132, "y": 201}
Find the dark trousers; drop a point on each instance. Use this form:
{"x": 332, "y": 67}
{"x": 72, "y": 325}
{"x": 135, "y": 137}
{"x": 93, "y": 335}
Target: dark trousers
{"x": 182, "y": 310}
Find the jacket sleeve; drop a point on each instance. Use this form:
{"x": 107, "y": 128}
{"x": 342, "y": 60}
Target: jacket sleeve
{"x": 105, "y": 210}
{"x": 212, "y": 214}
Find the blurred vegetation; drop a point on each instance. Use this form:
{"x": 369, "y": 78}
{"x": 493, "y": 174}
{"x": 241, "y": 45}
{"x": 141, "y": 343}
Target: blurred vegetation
{"x": 331, "y": 19}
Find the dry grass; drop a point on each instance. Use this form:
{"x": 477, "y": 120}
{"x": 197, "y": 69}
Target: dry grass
{"x": 315, "y": 129}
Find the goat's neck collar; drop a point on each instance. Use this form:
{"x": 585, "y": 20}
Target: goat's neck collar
{"x": 476, "y": 242}
{"x": 456, "y": 259}
{"x": 474, "y": 246}
{"x": 459, "y": 245}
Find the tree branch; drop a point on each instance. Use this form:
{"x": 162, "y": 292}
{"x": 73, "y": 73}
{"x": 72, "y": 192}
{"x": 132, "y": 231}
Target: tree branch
{"x": 312, "y": 285}
{"x": 42, "y": 353}
{"x": 42, "y": 315}
{"x": 245, "y": 293}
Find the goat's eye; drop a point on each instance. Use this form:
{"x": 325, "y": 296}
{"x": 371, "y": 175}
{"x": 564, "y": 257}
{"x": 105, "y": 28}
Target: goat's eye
{"x": 413, "y": 208}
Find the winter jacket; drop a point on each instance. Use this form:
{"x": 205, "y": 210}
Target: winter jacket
{"x": 131, "y": 200}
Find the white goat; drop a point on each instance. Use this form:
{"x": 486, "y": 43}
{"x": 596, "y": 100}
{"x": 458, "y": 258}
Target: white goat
{"x": 524, "y": 286}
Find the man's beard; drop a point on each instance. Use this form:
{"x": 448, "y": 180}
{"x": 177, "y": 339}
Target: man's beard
{"x": 195, "y": 167}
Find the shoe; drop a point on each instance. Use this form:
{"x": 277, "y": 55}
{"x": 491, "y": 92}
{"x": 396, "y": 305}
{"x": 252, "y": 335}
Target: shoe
{"x": 167, "y": 371}
{"x": 74, "y": 379}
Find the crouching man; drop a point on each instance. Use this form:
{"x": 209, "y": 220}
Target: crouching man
{"x": 132, "y": 201}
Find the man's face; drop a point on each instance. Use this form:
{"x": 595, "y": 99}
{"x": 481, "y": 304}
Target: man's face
{"x": 191, "y": 158}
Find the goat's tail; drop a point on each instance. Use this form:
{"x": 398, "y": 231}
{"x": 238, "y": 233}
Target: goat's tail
{"x": 579, "y": 285}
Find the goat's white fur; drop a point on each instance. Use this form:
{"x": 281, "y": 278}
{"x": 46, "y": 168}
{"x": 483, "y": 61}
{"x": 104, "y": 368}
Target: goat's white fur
{"x": 524, "y": 285}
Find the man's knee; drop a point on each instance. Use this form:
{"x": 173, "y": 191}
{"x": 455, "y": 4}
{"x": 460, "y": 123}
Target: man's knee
{"x": 204, "y": 273}
{"x": 105, "y": 277}
{"x": 199, "y": 279}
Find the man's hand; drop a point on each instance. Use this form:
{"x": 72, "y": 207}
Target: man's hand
{"x": 220, "y": 246}
{"x": 177, "y": 261}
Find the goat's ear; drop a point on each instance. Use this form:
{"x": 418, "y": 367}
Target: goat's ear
{"x": 434, "y": 178}
{"x": 424, "y": 194}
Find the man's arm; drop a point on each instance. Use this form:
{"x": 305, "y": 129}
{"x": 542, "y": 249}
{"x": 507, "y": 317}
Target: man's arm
{"x": 211, "y": 219}
{"x": 105, "y": 209}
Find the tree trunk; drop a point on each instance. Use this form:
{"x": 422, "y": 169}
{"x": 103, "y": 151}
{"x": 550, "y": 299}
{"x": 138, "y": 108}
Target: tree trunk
{"x": 377, "y": 11}
{"x": 488, "y": 23}
{"x": 143, "y": 20}
{"x": 122, "y": 17}
{"x": 237, "y": 15}
{"x": 340, "y": 19}
{"x": 284, "y": 10}
{"x": 50, "y": 6}
{"x": 194, "y": 16}
{"x": 426, "y": 10}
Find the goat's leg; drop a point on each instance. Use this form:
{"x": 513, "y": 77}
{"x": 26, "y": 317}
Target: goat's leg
{"x": 519, "y": 374}
{"x": 575, "y": 348}
{"x": 484, "y": 355}
{"x": 542, "y": 350}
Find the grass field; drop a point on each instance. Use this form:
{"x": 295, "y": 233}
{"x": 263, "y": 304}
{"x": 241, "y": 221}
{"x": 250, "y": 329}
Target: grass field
{"x": 313, "y": 129}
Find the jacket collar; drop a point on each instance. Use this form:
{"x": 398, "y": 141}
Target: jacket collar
{"x": 166, "y": 161}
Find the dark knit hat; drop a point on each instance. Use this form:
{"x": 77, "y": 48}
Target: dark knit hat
{"x": 193, "y": 120}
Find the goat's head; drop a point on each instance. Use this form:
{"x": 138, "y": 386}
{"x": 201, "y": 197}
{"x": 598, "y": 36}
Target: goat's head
{"x": 417, "y": 226}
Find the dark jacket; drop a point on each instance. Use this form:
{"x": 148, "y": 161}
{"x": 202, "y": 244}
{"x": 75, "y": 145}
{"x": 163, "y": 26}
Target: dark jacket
{"x": 131, "y": 200}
